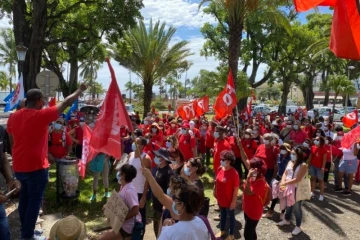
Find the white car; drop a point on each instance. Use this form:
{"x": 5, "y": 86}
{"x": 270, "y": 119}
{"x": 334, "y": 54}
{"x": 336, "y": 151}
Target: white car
{"x": 262, "y": 109}
{"x": 325, "y": 112}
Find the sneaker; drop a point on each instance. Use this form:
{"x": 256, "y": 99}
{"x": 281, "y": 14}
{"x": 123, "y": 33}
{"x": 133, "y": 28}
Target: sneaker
{"x": 282, "y": 216}
{"x": 321, "y": 198}
{"x": 38, "y": 231}
{"x": 93, "y": 198}
{"x": 296, "y": 231}
{"x": 346, "y": 193}
{"x": 267, "y": 215}
{"x": 283, "y": 223}
{"x": 337, "y": 189}
{"x": 107, "y": 195}
{"x": 312, "y": 195}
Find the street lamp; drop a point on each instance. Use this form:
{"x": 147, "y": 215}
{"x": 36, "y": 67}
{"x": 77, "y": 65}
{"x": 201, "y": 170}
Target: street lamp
{"x": 347, "y": 95}
{"x": 21, "y": 54}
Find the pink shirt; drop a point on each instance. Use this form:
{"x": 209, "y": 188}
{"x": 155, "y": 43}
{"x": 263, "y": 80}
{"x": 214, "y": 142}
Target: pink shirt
{"x": 130, "y": 197}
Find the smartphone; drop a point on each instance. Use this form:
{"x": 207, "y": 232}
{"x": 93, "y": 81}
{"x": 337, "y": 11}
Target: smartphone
{"x": 10, "y": 192}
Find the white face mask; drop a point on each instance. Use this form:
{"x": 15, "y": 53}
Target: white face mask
{"x": 283, "y": 152}
{"x": 305, "y": 145}
{"x": 296, "y": 127}
{"x": 316, "y": 142}
{"x": 326, "y": 141}
{"x": 293, "y": 157}
{"x": 247, "y": 136}
{"x": 266, "y": 142}
{"x": 146, "y": 122}
{"x": 168, "y": 144}
{"x": 339, "y": 138}
{"x": 183, "y": 131}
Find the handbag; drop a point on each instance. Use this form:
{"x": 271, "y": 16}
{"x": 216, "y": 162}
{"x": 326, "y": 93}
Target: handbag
{"x": 303, "y": 190}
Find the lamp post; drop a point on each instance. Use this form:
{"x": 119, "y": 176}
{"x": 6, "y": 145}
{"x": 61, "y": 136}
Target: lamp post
{"x": 347, "y": 95}
{"x": 21, "y": 54}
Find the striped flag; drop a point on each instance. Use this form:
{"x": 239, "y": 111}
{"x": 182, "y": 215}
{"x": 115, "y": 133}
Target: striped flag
{"x": 18, "y": 95}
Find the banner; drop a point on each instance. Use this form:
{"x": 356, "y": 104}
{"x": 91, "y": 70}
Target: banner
{"x": 88, "y": 152}
{"x": 17, "y": 95}
{"x": 226, "y": 100}
{"x": 351, "y": 119}
{"x": 351, "y": 137}
{"x": 188, "y": 111}
{"x": 202, "y": 105}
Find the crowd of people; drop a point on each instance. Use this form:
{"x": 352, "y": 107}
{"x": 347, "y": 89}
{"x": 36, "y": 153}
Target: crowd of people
{"x": 266, "y": 157}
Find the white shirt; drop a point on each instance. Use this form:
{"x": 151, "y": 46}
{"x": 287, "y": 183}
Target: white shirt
{"x": 348, "y": 154}
{"x": 139, "y": 180}
{"x": 189, "y": 230}
{"x": 329, "y": 134}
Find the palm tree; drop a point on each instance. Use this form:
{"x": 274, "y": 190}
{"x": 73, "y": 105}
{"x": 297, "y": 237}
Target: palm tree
{"x": 341, "y": 85}
{"x": 4, "y": 80}
{"x": 129, "y": 87}
{"x": 8, "y": 54}
{"x": 236, "y": 13}
{"x": 146, "y": 51}
{"x": 89, "y": 73}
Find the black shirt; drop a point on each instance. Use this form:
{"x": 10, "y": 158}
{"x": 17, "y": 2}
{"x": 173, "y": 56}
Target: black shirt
{"x": 162, "y": 177}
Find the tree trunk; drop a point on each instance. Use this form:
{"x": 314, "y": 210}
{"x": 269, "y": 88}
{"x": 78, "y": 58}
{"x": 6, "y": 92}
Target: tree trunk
{"x": 309, "y": 98}
{"x": 148, "y": 93}
{"x": 242, "y": 103}
{"x": 327, "y": 89}
{"x": 284, "y": 95}
{"x": 235, "y": 37}
{"x": 334, "y": 102}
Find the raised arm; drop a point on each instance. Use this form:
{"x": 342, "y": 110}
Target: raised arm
{"x": 70, "y": 99}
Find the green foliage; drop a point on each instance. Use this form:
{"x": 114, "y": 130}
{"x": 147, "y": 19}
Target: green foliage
{"x": 8, "y": 56}
{"x": 341, "y": 85}
{"x": 270, "y": 93}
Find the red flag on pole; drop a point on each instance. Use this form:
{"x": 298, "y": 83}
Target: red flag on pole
{"x": 113, "y": 114}
{"x": 88, "y": 153}
{"x": 52, "y": 102}
{"x": 187, "y": 111}
{"x": 202, "y": 106}
{"x": 226, "y": 100}
{"x": 305, "y": 5}
{"x": 350, "y": 119}
{"x": 351, "y": 137}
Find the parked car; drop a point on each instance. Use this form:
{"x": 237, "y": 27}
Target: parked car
{"x": 325, "y": 112}
{"x": 262, "y": 109}
{"x": 130, "y": 109}
{"x": 291, "y": 109}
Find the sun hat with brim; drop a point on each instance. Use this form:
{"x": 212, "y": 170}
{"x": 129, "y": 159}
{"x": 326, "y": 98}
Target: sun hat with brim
{"x": 69, "y": 228}
{"x": 287, "y": 147}
{"x": 162, "y": 153}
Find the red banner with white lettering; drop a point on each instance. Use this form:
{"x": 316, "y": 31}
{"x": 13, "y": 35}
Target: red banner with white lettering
{"x": 187, "y": 111}
{"x": 226, "y": 100}
{"x": 88, "y": 153}
{"x": 350, "y": 119}
{"x": 106, "y": 135}
{"x": 351, "y": 137}
{"x": 202, "y": 105}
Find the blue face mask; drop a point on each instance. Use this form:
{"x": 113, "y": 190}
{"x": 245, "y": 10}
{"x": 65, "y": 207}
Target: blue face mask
{"x": 168, "y": 192}
{"x": 133, "y": 147}
{"x": 175, "y": 211}
{"x": 168, "y": 144}
{"x": 223, "y": 163}
{"x": 216, "y": 135}
{"x": 118, "y": 176}
{"x": 57, "y": 126}
{"x": 187, "y": 171}
{"x": 157, "y": 161}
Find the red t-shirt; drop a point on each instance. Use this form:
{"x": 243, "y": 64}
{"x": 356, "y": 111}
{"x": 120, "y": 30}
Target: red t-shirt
{"x": 57, "y": 149}
{"x": 220, "y": 145}
{"x": 209, "y": 142}
{"x": 309, "y": 130}
{"x": 148, "y": 149}
{"x": 234, "y": 146}
{"x": 317, "y": 154}
{"x": 249, "y": 146}
{"x": 186, "y": 144}
{"x": 253, "y": 204}
{"x": 226, "y": 181}
{"x": 202, "y": 147}
{"x": 79, "y": 135}
{"x": 298, "y": 137}
{"x": 269, "y": 155}
{"x": 196, "y": 133}
{"x": 158, "y": 138}
{"x": 171, "y": 131}
{"x": 30, "y": 129}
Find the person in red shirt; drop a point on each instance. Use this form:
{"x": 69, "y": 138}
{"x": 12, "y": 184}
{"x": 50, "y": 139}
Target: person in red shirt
{"x": 269, "y": 154}
{"x": 254, "y": 195}
{"x": 317, "y": 161}
{"x": 249, "y": 145}
{"x": 60, "y": 142}
{"x": 157, "y": 134}
{"x": 202, "y": 146}
{"x": 28, "y": 130}
{"x": 148, "y": 149}
{"x": 209, "y": 140}
{"x": 309, "y": 129}
{"x": 234, "y": 143}
{"x": 195, "y": 130}
{"x": 187, "y": 143}
{"x": 173, "y": 129}
{"x": 221, "y": 144}
{"x": 225, "y": 191}
{"x": 77, "y": 135}
{"x": 297, "y": 136}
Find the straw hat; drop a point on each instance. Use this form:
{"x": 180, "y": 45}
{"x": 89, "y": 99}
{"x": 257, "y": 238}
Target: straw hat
{"x": 69, "y": 228}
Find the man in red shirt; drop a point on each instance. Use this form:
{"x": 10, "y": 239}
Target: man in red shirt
{"x": 269, "y": 154}
{"x": 173, "y": 129}
{"x": 297, "y": 135}
{"x": 194, "y": 130}
{"x": 187, "y": 143}
{"x": 209, "y": 140}
{"x": 60, "y": 142}
{"x": 309, "y": 129}
{"x": 28, "y": 130}
{"x": 221, "y": 144}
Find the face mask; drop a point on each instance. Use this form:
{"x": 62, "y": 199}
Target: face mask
{"x": 293, "y": 157}
{"x": 247, "y": 136}
{"x": 146, "y": 122}
{"x": 81, "y": 123}
{"x": 203, "y": 133}
{"x": 223, "y": 163}
{"x": 318, "y": 134}
{"x": 168, "y": 192}
{"x": 147, "y": 141}
{"x": 191, "y": 127}
{"x": 339, "y": 138}
{"x": 316, "y": 142}
{"x": 153, "y": 130}
{"x": 187, "y": 171}
{"x": 175, "y": 211}
{"x": 288, "y": 126}
{"x": 118, "y": 176}
{"x": 183, "y": 132}
{"x": 168, "y": 144}
{"x": 174, "y": 162}
{"x": 235, "y": 134}
{"x": 254, "y": 175}
{"x": 233, "y": 129}
{"x": 57, "y": 126}
{"x": 133, "y": 147}
{"x": 266, "y": 142}
{"x": 157, "y": 161}
{"x": 216, "y": 135}
{"x": 358, "y": 146}
{"x": 305, "y": 145}
{"x": 273, "y": 142}
{"x": 305, "y": 124}
{"x": 326, "y": 142}
{"x": 283, "y": 152}
{"x": 254, "y": 133}
{"x": 296, "y": 127}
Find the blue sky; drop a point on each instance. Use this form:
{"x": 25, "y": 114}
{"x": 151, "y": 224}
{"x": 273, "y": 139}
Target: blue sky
{"x": 185, "y": 16}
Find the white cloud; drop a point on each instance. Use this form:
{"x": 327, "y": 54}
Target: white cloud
{"x": 4, "y": 22}
{"x": 178, "y": 13}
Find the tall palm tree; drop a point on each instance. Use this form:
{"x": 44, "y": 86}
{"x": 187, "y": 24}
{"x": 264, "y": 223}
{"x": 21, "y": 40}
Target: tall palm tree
{"x": 147, "y": 52}
{"x": 4, "y": 80}
{"x": 129, "y": 87}
{"x": 341, "y": 86}
{"x": 89, "y": 73}
{"x": 8, "y": 56}
{"x": 236, "y": 13}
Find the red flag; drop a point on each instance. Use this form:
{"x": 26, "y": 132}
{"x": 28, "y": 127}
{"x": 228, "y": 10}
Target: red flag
{"x": 113, "y": 114}
{"x": 52, "y": 102}
{"x": 226, "y": 100}
{"x": 345, "y": 32}
{"x": 350, "y": 119}
{"x": 202, "y": 106}
{"x": 187, "y": 111}
{"x": 305, "y": 5}
{"x": 88, "y": 153}
{"x": 351, "y": 137}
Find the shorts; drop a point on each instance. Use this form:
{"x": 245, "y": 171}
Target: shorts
{"x": 316, "y": 172}
{"x": 348, "y": 166}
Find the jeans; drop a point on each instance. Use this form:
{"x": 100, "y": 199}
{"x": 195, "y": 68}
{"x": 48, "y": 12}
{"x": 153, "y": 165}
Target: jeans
{"x": 297, "y": 211}
{"x": 143, "y": 215}
{"x": 250, "y": 228}
{"x": 4, "y": 224}
{"x": 33, "y": 186}
{"x": 223, "y": 217}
